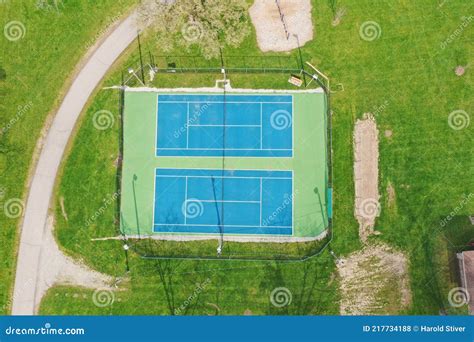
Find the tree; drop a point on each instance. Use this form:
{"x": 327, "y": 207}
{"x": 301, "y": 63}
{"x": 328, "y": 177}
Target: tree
{"x": 207, "y": 24}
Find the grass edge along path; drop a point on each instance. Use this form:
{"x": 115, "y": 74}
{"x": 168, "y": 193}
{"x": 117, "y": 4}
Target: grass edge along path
{"x": 27, "y": 105}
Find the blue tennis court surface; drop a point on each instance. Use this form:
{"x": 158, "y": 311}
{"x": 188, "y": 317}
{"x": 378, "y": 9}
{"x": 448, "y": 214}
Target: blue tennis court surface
{"x": 216, "y": 201}
{"x": 245, "y": 125}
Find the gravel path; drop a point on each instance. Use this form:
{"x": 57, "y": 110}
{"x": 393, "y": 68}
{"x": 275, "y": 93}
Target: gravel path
{"x": 40, "y": 263}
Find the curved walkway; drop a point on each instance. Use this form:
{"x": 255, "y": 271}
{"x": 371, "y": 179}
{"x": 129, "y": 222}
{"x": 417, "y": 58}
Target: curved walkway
{"x": 33, "y": 253}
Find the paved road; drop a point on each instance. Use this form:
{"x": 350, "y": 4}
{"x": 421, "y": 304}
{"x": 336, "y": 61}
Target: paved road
{"x": 33, "y": 237}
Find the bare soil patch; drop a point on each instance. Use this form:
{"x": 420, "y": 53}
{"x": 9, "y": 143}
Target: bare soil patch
{"x": 374, "y": 281}
{"x": 366, "y": 174}
{"x": 59, "y": 269}
{"x": 390, "y": 194}
{"x": 277, "y": 34}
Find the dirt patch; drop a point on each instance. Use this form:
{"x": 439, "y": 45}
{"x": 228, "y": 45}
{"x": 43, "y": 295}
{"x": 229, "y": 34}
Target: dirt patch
{"x": 390, "y": 194}
{"x": 388, "y": 133}
{"x": 460, "y": 70}
{"x": 366, "y": 174}
{"x": 63, "y": 208}
{"x": 57, "y": 268}
{"x": 284, "y": 26}
{"x": 374, "y": 281}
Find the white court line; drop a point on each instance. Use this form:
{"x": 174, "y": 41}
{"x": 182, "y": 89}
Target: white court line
{"x": 214, "y": 225}
{"x": 220, "y": 177}
{"x": 261, "y": 188}
{"x": 220, "y": 102}
{"x": 187, "y": 130}
{"x": 185, "y": 200}
{"x": 227, "y": 149}
{"x": 223, "y": 125}
{"x": 226, "y": 201}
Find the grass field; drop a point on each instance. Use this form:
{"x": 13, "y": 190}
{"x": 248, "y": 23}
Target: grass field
{"x": 38, "y": 60}
{"x": 405, "y": 76}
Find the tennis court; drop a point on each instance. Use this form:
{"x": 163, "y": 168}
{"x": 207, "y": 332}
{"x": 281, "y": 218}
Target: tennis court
{"x": 247, "y": 125}
{"x": 244, "y": 165}
{"x": 217, "y": 201}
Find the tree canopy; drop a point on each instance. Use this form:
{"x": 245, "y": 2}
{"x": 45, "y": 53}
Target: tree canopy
{"x": 207, "y": 24}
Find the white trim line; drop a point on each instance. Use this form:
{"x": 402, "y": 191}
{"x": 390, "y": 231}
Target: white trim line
{"x": 219, "y": 90}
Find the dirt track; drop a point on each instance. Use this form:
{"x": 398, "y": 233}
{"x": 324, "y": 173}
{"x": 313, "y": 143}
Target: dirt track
{"x": 366, "y": 175}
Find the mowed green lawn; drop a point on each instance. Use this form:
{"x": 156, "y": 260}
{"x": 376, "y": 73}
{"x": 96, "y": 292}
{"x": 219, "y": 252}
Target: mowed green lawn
{"x": 40, "y": 46}
{"x": 405, "y": 76}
